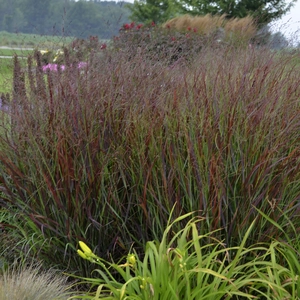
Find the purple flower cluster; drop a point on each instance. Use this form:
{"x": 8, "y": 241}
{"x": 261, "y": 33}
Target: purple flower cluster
{"x": 54, "y": 67}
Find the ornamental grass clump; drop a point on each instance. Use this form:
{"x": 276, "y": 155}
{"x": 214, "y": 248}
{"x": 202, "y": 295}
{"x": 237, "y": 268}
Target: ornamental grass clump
{"x": 31, "y": 283}
{"x": 101, "y": 154}
{"x": 237, "y": 31}
{"x": 188, "y": 265}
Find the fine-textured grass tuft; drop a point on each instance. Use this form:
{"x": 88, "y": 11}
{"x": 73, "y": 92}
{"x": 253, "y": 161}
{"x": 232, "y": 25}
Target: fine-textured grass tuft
{"x": 30, "y": 283}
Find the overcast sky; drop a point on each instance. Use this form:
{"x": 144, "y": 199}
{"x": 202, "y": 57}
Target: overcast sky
{"x": 290, "y": 23}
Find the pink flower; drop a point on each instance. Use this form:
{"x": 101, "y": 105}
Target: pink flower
{"x": 195, "y": 29}
{"x": 152, "y": 23}
{"x": 52, "y": 67}
{"x": 189, "y": 28}
{"x": 139, "y": 26}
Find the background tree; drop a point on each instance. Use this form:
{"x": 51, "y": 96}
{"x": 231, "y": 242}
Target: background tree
{"x": 157, "y": 11}
{"x": 263, "y": 11}
{"x": 114, "y": 15}
{"x": 83, "y": 19}
{"x": 11, "y": 15}
{"x": 36, "y": 12}
{"x": 63, "y": 17}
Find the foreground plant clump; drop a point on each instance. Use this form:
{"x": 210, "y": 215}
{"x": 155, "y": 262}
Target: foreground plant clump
{"x": 33, "y": 284}
{"x": 188, "y": 265}
{"x": 102, "y": 153}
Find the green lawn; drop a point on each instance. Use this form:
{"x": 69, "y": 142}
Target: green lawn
{"x": 6, "y": 75}
{"x": 22, "y": 40}
{"x": 11, "y": 52}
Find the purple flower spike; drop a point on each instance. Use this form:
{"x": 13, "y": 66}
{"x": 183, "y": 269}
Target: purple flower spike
{"x": 52, "y": 67}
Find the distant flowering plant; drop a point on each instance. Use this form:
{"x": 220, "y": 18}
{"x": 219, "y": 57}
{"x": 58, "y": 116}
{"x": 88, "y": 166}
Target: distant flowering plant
{"x": 132, "y": 34}
{"x": 127, "y": 26}
{"x": 77, "y": 51}
{"x": 46, "y": 56}
{"x": 56, "y": 67}
{"x": 58, "y": 56}
{"x": 163, "y": 43}
{"x": 103, "y": 46}
{"x": 44, "y": 51}
{"x": 52, "y": 67}
{"x": 131, "y": 27}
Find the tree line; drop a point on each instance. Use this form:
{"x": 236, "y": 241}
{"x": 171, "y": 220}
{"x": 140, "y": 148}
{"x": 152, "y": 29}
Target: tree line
{"x": 263, "y": 11}
{"x": 63, "y": 17}
{"x": 104, "y": 18}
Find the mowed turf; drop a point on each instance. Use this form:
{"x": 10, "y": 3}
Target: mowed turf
{"x": 6, "y": 75}
{"x": 11, "y": 52}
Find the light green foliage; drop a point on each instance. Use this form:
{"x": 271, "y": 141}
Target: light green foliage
{"x": 188, "y": 265}
{"x": 148, "y": 11}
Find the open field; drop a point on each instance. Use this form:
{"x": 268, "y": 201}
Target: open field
{"x": 22, "y": 40}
